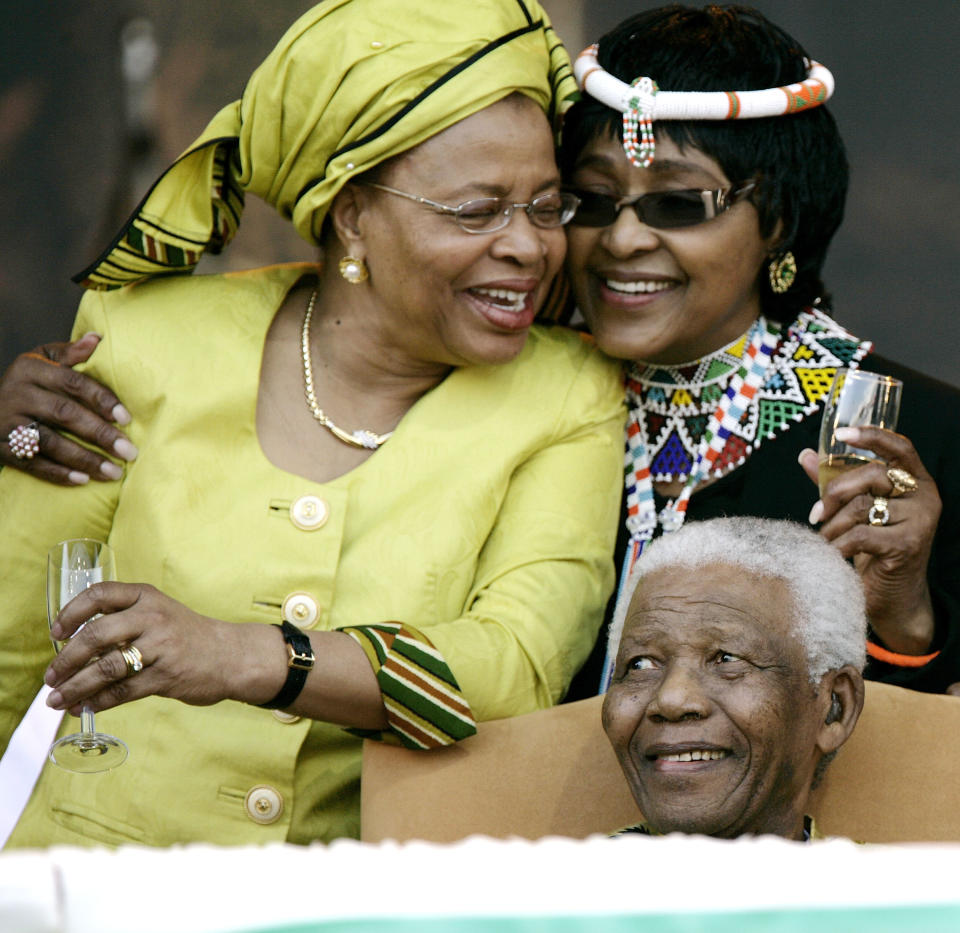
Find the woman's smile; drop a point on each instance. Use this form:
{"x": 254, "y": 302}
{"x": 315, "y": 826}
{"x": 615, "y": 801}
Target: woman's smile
{"x": 506, "y": 305}
{"x": 663, "y": 295}
{"x": 633, "y": 293}
{"x": 445, "y": 295}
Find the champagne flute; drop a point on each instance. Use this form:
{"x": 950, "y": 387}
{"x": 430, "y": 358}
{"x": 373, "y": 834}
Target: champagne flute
{"x": 72, "y": 566}
{"x": 856, "y": 399}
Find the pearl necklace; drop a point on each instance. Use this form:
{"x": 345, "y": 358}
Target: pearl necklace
{"x": 359, "y": 438}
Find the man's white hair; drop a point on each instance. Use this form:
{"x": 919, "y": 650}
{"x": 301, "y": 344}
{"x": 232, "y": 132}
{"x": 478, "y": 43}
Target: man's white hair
{"x": 830, "y": 618}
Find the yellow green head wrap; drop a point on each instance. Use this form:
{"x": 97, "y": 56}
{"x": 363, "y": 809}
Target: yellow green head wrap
{"x": 352, "y": 83}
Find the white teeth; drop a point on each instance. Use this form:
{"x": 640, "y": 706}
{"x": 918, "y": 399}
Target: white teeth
{"x": 696, "y": 755}
{"x": 634, "y": 288}
{"x": 505, "y": 298}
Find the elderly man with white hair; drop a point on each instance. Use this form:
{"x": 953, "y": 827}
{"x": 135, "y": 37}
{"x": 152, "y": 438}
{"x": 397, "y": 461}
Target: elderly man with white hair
{"x": 737, "y": 677}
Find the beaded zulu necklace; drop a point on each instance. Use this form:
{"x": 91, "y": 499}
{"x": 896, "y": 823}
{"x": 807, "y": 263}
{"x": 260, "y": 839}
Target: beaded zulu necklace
{"x": 729, "y": 403}
{"x": 704, "y": 418}
{"x": 676, "y": 402}
{"x": 642, "y": 518}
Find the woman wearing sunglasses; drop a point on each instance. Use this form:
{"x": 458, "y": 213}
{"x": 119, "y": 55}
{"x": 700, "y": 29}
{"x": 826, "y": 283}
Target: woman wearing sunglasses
{"x": 695, "y": 253}
{"x": 711, "y": 180}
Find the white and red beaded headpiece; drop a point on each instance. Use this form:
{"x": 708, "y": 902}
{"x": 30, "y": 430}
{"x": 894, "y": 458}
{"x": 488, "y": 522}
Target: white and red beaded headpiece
{"x": 642, "y": 102}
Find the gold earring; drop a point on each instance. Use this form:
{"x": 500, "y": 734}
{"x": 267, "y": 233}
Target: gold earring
{"x": 354, "y": 270}
{"x": 783, "y": 271}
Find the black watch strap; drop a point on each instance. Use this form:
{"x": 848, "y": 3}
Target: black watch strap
{"x": 300, "y": 664}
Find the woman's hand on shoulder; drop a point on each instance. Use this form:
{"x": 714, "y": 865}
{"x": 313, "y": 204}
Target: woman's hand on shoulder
{"x": 892, "y": 557}
{"x": 184, "y": 655}
{"x": 42, "y": 387}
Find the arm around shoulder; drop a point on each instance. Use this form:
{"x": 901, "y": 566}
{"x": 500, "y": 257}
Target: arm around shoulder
{"x": 545, "y": 571}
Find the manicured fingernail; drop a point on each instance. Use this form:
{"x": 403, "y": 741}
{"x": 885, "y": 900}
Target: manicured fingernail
{"x": 78, "y": 478}
{"x": 55, "y": 699}
{"x": 125, "y": 449}
{"x": 804, "y": 454}
{"x": 56, "y": 631}
{"x": 847, "y": 434}
{"x": 120, "y": 414}
{"x": 110, "y": 470}
{"x": 816, "y": 513}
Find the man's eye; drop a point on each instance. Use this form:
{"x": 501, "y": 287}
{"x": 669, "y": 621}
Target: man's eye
{"x": 728, "y": 657}
{"x": 640, "y": 663}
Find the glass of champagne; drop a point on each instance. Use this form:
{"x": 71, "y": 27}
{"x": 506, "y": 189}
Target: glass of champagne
{"x": 72, "y": 566}
{"x": 856, "y": 399}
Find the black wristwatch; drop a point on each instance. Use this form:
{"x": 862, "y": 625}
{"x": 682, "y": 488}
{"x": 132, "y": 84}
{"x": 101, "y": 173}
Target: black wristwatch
{"x": 299, "y": 665}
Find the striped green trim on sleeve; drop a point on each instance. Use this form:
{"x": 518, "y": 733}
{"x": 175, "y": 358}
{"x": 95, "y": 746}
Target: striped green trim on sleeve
{"x": 425, "y": 708}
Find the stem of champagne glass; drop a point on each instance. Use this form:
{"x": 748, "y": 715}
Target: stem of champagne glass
{"x": 87, "y": 726}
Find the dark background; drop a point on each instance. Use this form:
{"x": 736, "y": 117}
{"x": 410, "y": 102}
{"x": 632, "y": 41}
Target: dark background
{"x": 72, "y": 165}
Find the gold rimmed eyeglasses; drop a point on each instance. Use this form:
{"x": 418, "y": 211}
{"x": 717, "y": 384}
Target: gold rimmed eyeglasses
{"x": 487, "y": 215}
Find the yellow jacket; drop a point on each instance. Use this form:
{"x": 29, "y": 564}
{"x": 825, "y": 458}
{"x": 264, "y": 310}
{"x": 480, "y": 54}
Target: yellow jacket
{"x": 487, "y": 522}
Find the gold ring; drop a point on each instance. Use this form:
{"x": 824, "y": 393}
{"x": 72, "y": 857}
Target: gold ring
{"x": 902, "y": 481}
{"x": 133, "y": 659}
{"x": 879, "y": 514}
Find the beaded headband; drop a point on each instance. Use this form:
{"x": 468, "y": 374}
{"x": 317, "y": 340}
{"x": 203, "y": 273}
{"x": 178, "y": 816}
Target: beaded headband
{"x": 642, "y": 102}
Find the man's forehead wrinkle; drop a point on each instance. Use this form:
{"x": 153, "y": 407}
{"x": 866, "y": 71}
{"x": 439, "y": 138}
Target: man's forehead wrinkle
{"x": 705, "y": 634}
{"x": 681, "y": 604}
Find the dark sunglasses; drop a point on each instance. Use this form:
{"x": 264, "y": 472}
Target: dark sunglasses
{"x": 664, "y": 210}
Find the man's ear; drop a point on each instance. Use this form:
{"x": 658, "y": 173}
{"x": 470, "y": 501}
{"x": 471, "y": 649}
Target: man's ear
{"x": 841, "y": 698}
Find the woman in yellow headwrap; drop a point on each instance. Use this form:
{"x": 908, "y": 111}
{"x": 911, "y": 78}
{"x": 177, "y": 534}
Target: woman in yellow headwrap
{"x": 422, "y": 543}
